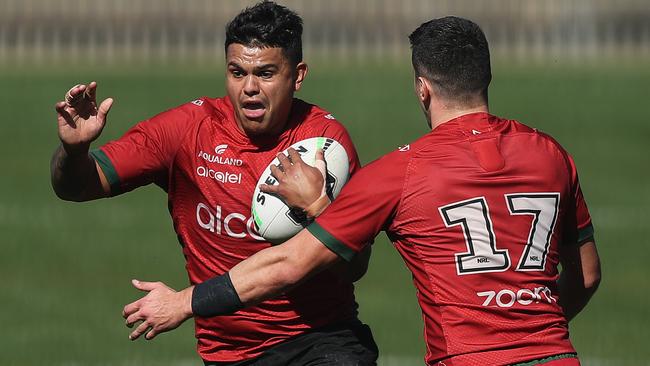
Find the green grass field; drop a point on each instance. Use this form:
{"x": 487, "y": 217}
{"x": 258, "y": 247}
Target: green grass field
{"x": 65, "y": 268}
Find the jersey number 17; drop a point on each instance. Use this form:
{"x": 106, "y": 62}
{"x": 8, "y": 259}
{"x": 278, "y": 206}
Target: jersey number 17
{"x": 483, "y": 255}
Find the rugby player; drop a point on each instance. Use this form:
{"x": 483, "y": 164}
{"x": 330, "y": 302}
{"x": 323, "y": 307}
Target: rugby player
{"x": 482, "y": 209}
{"x": 207, "y": 155}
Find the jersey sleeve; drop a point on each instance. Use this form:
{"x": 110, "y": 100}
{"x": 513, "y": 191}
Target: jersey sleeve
{"x": 144, "y": 154}
{"x": 579, "y": 218}
{"x": 363, "y": 208}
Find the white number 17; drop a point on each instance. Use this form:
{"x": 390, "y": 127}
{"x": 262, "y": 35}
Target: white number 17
{"x": 482, "y": 255}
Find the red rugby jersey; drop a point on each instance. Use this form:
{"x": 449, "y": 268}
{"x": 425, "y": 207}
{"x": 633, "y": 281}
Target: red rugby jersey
{"x": 478, "y": 209}
{"x": 210, "y": 168}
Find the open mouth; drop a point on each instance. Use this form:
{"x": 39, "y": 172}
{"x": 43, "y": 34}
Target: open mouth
{"x": 253, "y": 110}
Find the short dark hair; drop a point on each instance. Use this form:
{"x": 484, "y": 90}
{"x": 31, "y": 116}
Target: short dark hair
{"x": 268, "y": 24}
{"x": 452, "y": 53}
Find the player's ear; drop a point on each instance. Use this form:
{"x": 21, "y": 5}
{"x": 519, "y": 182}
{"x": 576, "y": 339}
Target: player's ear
{"x": 423, "y": 91}
{"x": 301, "y": 73}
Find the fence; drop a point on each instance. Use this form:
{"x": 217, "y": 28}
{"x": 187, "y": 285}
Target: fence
{"x": 108, "y": 31}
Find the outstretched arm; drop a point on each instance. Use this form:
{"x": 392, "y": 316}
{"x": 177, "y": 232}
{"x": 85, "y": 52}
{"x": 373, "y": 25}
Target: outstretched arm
{"x": 75, "y": 175}
{"x": 580, "y": 277}
{"x": 264, "y": 275}
{"x": 277, "y": 269}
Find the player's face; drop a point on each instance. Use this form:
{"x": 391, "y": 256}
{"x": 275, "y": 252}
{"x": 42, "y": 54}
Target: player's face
{"x": 260, "y": 83}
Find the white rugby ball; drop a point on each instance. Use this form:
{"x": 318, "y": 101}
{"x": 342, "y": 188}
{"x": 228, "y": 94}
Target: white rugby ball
{"x": 277, "y": 222}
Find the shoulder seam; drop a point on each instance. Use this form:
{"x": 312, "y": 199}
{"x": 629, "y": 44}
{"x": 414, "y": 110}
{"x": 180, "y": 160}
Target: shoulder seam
{"x": 398, "y": 209}
{"x": 205, "y": 112}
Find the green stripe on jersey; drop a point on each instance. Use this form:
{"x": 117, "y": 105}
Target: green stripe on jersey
{"x": 585, "y": 233}
{"x": 542, "y": 361}
{"x": 108, "y": 169}
{"x": 331, "y": 242}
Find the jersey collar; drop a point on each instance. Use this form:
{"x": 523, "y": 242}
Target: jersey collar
{"x": 299, "y": 112}
{"x": 471, "y": 124}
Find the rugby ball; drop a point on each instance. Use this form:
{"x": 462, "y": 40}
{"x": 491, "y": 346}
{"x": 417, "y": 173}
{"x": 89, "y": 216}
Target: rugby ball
{"x": 277, "y": 222}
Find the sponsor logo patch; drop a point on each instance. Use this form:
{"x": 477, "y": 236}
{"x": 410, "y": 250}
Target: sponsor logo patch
{"x": 233, "y": 224}
{"x": 219, "y": 176}
{"x": 220, "y": 149}
{"x": 218, "y": 157}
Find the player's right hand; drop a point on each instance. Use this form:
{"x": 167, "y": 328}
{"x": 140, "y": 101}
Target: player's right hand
{"x": 299, "y": 184}
{"x": 80, "y": 119}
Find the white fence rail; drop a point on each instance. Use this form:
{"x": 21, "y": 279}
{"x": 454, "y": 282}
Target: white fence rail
{"x": 108, "y": 31}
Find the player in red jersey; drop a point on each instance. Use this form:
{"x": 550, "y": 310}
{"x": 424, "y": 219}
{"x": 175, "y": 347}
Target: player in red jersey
{"x": 207, "y": 155}
{"x": 482, "y": 209}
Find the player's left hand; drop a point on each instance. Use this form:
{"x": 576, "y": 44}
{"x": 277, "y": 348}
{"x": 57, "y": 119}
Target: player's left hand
{"x": 160, "y": 310}
{"x": 299, "y": 184}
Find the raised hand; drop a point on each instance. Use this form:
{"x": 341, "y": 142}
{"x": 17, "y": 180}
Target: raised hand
{"x": 80, "y": 119}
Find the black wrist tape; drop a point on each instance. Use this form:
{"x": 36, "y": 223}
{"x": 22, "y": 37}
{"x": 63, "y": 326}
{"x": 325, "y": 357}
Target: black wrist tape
{"x": 216, "y": 296}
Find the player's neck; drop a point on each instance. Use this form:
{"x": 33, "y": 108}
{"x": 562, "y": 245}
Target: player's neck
{"x": 444, "y": 115}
